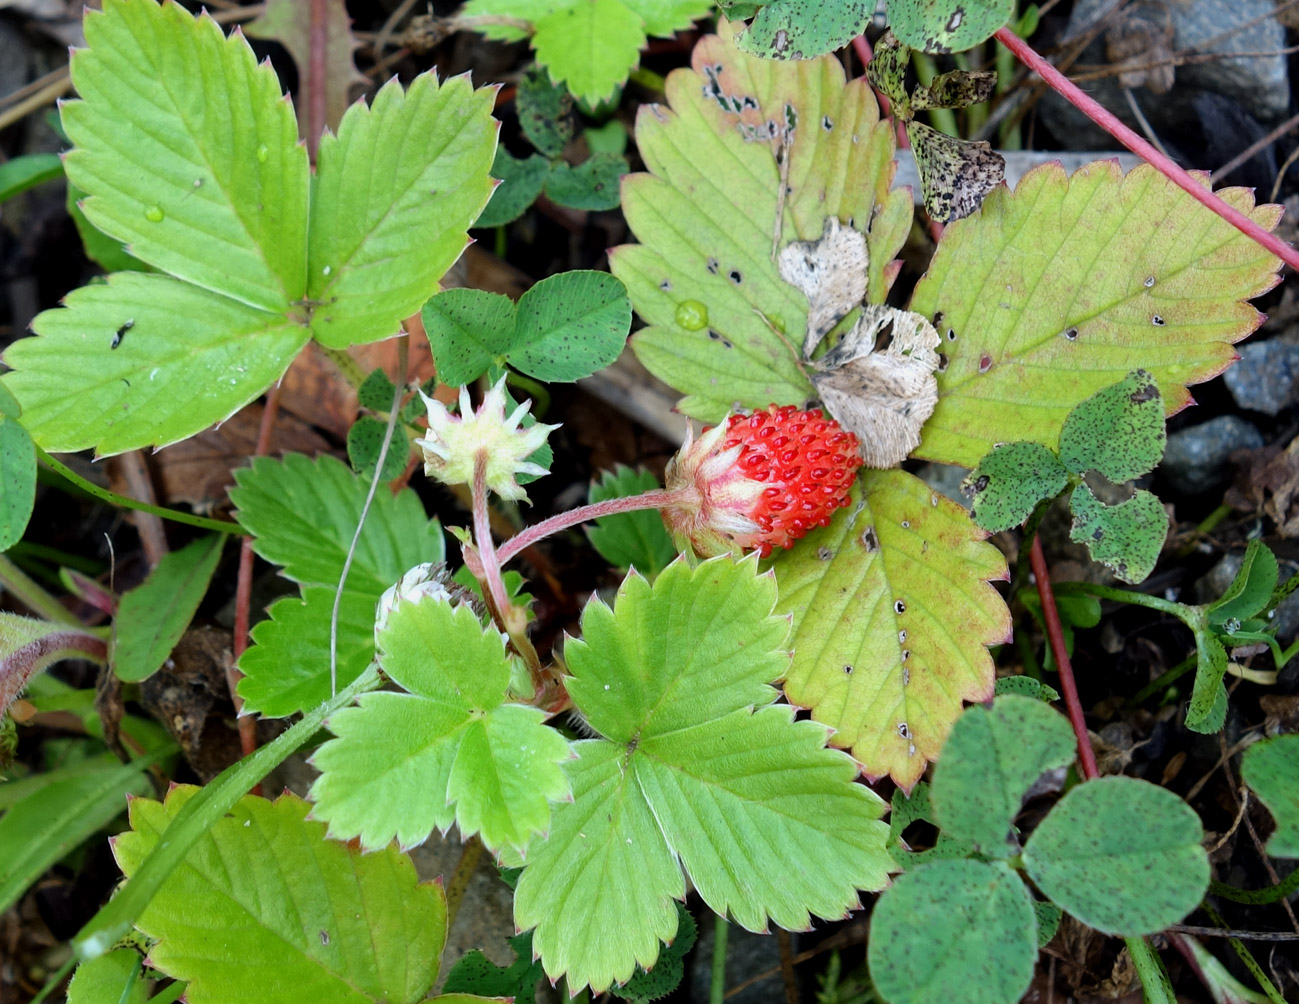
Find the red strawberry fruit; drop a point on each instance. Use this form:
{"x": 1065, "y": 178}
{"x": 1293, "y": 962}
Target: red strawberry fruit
{"x": 760, "y": 481}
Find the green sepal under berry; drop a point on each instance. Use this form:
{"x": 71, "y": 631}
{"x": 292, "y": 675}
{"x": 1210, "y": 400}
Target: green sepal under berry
{"x": 449, "y": 749}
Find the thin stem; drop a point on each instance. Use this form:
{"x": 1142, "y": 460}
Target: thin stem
{"x": 1055, "y": 634}
{"x": 717, "y": 981}
{"x": 32, "y": 596}
{"x": 491, "y": 564}
{"x": 121, "y": 501}
{"x": 1179, "y": 610}
{"x": 658, "y": 498}
{"x": 1272, "y": 894}
{"x": 1111, "y": 124}
{"x": 1163, "y": 681}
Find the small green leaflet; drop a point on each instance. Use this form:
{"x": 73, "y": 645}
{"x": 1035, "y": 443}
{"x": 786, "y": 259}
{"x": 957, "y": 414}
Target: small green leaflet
{"x": 447, "y": 749}
{"x": 259, "y": 256}
{"x": 1126, "y": 537}
{"x": 564, "y": 328}
{"x": 113, "y": 978}
{"x": 475, "y": 973}
{"x": 804, "y": 29}
{"x": 1032, "y": 325}
{"x": 545, "y": 112}
{"x": 892, "y": 609}
{"x": 17, "y": 473}
{"x": 1270, "y": 768}
{"x": 589, "y": 45}
{"x": 695, "y": 769}
{"x": 1090, "y": 859}
{"x": 1118, "y": 432}
{"x": 1009, "y": 483}
{"x": 954, "y": 930}
{"x": 907, "y": 809}
{"x": 338, "y": 943}
{"x": 634, "y": 539}
{"x": 947, "y": 25}
{"x": 592, "y": 184}
{"x": 521, "y": 183}
{"x": 152, "y": 617}
{"x": 21, "y": 173}
{"x": 721, "y": 320}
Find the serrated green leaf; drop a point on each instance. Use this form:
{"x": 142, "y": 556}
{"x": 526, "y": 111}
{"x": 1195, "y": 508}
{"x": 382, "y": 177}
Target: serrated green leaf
{"x": 376, "y": 392}
{"x": 892, "y": 610}
{"x": 989, "y": 762}
{"x": 1270, "y": 768}
{"x": 469, "y": 330}
{"x": 954, "y": 930}
{"x": 947, "y": 25}
{"x": 361, "y": 928}
{"x": 590, "y": 46}
{"x": 570, "y": 325}
{"x": 907, "y": 809}
{"x": 113, "y": 978}
{"x": 1026, "y": 686}
{"x": 1207, "y": 710}
{"x": 1126, "y": 537}
{"x": 303, "y": 514}
{"x": 666, "y": 17}
{"x": 286, "y": 669}
{"x": 475, "y": 973}
{"x": 1117, "y": 432}
{"x": 721, "y": 321}
{"x": 106, "y": 252}
{"x": 690, "y": 770}
{"x": 185, "y": 359}
{"x": 365, "y": 441}
{"x": 669, "y": 970}
{"x": 21, "y": 173}
{"x": 224, "y": 202}
{"x": 593, "y": 184}
{"x": 1090, "y": 859}
{"x": 71, "y": 805}
{"x": 1250, "y": 590}
{"x": 1010, "y": 481}
{"x": 520, "y": 184}
{"x": 450, "y": 748}
{"x": 152, "y": 617}
{"x": 18, "y": 475}
{"x": 804, "y": 29}
{"x": 377, "y": 251}
{"x": 634, "y": 539}
{"x": 1053, "y": 292}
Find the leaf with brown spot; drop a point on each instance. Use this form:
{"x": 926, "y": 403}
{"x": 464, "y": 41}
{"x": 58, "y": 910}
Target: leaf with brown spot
{"x": 955, "y": 174}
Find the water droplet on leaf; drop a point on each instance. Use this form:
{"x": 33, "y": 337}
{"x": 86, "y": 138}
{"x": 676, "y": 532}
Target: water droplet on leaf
{"x": 692, "y": 315}
{"x": 154, "y": 214}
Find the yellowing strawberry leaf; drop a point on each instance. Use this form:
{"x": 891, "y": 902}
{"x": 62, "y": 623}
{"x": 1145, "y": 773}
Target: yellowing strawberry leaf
{"x": 152, "y": 617}
{"x": 722, "y": 323}
{"x": 449, "y": 748}
{"x": 1270, "y": 768}
{"x": 224, "y": 202}
{"x": 688, "y": 774}
{"x": 433, "y": 145}
{"x": 1120, "y": 878}
{"x": 1060, "y": 289}
{"x": 300, "y": 917}
{"x": 892, "y": 608}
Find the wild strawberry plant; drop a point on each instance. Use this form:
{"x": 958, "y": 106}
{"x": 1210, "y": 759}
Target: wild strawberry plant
{"x": 654, "y": 753}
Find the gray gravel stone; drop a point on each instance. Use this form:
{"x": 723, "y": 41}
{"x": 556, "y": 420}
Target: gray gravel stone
{"x": 1264, "y": 378}
{"x": 1196, "y": 458}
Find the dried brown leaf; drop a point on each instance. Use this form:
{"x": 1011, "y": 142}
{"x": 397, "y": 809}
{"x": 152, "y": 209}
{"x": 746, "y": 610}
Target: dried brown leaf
{"x": 831, "y": 273}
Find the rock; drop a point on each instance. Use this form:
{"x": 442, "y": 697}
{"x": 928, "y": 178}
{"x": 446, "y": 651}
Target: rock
{"x": 1259, "y": 83}
{"x": 1196, "y": 458}
{"x": 1264, "y": 378}
{"x": 946, "y": 480}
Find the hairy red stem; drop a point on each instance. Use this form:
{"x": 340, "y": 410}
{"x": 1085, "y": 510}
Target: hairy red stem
{"x": 1111, "y": 124}
{"x": 1055, "y": 635}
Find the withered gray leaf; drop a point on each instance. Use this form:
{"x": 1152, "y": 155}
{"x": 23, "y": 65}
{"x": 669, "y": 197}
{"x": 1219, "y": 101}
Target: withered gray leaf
{"x": 955, "y": 174}
{"x": 830, "y": 272}
{"x": 882, "y": 392}
{"x": 887, "y": 71}
{"x": 957, "y": 89}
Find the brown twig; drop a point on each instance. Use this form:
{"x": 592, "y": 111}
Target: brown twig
{"x": 1055, "y": 635}
{"x": 1253, "y": 148}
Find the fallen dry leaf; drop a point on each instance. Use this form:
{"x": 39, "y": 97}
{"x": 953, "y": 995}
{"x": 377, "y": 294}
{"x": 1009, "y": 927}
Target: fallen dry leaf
{"x": 831, "y": 273}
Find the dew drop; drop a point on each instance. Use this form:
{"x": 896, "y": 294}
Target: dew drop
{"x": 692, "y": 315}
{"x": 154, "y": 214}
{"x": 263, "y": 152}
{"x": 326, "y": 270}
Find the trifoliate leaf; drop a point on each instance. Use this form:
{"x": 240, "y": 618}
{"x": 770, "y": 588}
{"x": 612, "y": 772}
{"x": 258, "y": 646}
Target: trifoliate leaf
{"x": 1009, "y": 483}
{"x": 892, "y": 608}
{"x": 688, "y": 772}
{"x": 1126, "y": 537}
{"x": 469, "y": 330}
{"x": 632, "y": 539}
{"x": 1250, "y": 590}
{"x": 1117, "y": 877}
{"x": 520, "y": 184}
{"x": 301, "y": 917}
{"x": 954, "y": 930}
{"x": 1117, "y": 432}
{"x": 989, "y": 762}
{"x": 449, "y": 748}
{"x": 804, "y": 29}
{"x": 18, "y": 475}
{"x": 723, "y": 328}
{"x": 1270, "y": 768}
{"x": 365, "y": 443}
{"x": 946, "y": 25}
{"x": 1097, "y": 298}
{"x": 916, "y": 807}
{"x": 593, "y": 184}
{"x": 303, "y": 514}
{"x": 570, "y": 326}
{"x": 152, "y": 617}
{"x": 376, "y": 252}
{"x": 286, "y": 669}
